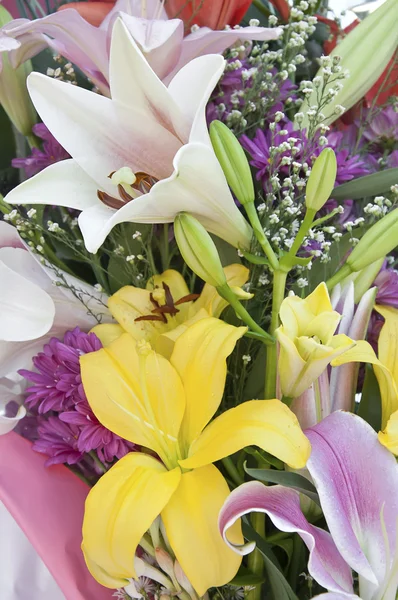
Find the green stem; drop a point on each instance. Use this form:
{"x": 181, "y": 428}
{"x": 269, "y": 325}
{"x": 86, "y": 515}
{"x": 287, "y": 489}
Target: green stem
{"x": 97, "y": 461}
{"x": 278, "y": 294}
{"x": 302, "y": 232}
{"x": 99, "y": 273}
{"x": 260, "y": 235}
{"x": 147, "y": 546}
{"x": 33, "y": 141}
{"x": 341, "y": 274}
{"x": 232, "y": 470}
{"x": 287, "y": 400}
{"x": 165, "y": 254}
{"x": 226, "y": 293}
{"x": 255, "y": 560}
{"x": 260, "y": 7}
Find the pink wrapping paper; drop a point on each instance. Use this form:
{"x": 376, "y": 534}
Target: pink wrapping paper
{"x": 48, "y": 505}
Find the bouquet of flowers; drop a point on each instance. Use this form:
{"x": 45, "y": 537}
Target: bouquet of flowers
{"x": 198, "y": 300}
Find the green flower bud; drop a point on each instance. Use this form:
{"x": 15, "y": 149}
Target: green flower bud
{"x": 376, "y": 243}
{"x": 321, "y": 180}
{"x": 198, "y": 250}
{"x": 233, "y": 161}
{"x": 364, "y": 279}
{"x": 365, "y": 52}
{"x": 14, "y": 95}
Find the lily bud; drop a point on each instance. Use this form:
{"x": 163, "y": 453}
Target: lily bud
{"x": 377, "y": 242}
{"x": 198, "y": 250}
{"x": 364, "y": 279}
{"x": 321, "y": 180}
{"x": 233, "y": 161}
{"x": 365, "y": 52}
{"x": 14, "y": 95}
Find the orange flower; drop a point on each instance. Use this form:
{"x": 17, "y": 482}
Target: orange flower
{"x": 93, "y": 12}
{"x": 208, "y": 13}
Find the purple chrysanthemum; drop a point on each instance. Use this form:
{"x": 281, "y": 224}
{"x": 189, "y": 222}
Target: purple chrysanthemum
{"x": 59, "y": 441}
{"x": 50, "y": 153}
{"x": 383, "y": 127}
{"x": 58, "y": 384}
{"x": 93, "y": 435}
{"x": 58, "y": 394}
{"x": 387, "y": 284}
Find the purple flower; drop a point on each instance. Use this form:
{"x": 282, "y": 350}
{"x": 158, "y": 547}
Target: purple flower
{"x": 387, "y": 284}
{"x": 94, "y": 436}
{"x": 348, "y": 166}
{"x": 58, "y": 384}
{"x": 51, "y": 152}
{"x": 59, "y": 441}
{"x": 383, "y": 127}
{"x": 58, "y": 388}
{"x": 392, "y": 160}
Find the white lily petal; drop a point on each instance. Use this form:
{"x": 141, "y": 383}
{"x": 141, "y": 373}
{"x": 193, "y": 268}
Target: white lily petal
{"x": 191, "y": 89}
{"x": 9, "y": 236}
{"x": 62, "y": 184}
{"x": 142, "y": 91}
{"x": 7, "y": 424}
{"x": 26, "y": 311}
{"x": 197, "y": 185}
{"x": 159, "y": 41}
{"x": 102, "y": 135}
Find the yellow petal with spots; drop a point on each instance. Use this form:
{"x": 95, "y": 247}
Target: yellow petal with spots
{"x": 130, "y": 303}
{"x": 107, "y": 333}
{"x": 135, "y": 393}
{"x": 268, "y": 424}
{"x": 199, "y": 356}
{"x": 119, "y": 509}
{"x": 191, "y": 522}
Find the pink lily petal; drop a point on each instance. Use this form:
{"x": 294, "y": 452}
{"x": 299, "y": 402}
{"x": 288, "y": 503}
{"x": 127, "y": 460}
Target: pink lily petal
{"x": 357, "y": 482}
{"x": 48, "y": 505}
{"x": 332, "y": 596}
{"x": 206, "y": 41}
{"x": 282, "y": 505}
{"x": 9, "y": 236}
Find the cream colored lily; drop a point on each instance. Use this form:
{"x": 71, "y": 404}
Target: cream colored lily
{"x": 307, "y": 343}
{"x": 386, "y": 370}
{"x": 166, "y": 406}
{"x": 163, "y": 311}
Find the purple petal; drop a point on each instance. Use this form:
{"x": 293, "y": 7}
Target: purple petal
{"x": 357, "y": 482}
{"x": 282, "y": 505}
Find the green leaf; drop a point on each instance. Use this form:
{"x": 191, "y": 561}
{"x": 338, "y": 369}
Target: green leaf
{"x": 370, "y": 405}
{"x": 263, "y": 457}
{"x": 323, "y": 271}
{"x": 254, "y": 259}
{"x": 280, "y": 588}
{"x": 370, "y": 185}
{"x": 227, "y": 253}
{"x": 286, "y": 478}
{"x": 118, "y": 274}
{"x": 254, "y": 387}
{"x": 246, "y": 577}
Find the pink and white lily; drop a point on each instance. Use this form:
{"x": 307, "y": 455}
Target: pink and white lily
{"x": 357, "y": 482}
{"x": 33, "y": 308}
{"x": 143, "y": 156}
{"x": 160, "y": 39}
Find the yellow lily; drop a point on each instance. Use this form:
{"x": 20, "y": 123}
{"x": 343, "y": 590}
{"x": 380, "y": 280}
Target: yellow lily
{"x": 166, "y": 406}
{"x": 386, "y": 370}
{"x": 307, "y": 343}
{"x": 160, "y": 313}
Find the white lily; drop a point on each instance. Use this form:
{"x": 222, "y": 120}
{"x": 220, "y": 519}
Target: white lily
{"x": 33, "y": 308}
{"x": 142, "y": 156}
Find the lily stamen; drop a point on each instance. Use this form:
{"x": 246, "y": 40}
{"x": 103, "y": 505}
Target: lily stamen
{"x": 169, "y": 306}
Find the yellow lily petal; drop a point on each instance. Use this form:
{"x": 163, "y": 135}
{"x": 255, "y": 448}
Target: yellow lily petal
{"x": 294, "y": 314}
{"x": 290, "y": 363}
{"x": 164, "y": 343}
{"x": 135, "y": 393}
{"x": 120, "y": 508}
{"x": 211, "y": 301}
{"x": 388, "y": 340}
{"x": 323, "y": 326}
{"x": 199, "y": 357}
{"x": 319, "y": 300}
{"x": 191, "y": 521}
{"x": 173, "y": 279}
{"x": 107, "y": 332}
{"x": 363, "y": 352}
{"x": 268, "y": 424}
{"x": 128, "y": 304}
{"x": 389, "y": 437}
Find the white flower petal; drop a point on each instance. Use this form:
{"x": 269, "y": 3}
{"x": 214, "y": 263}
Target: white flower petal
{"x": 26, "y": 311}
{"x": 61, "y": 184}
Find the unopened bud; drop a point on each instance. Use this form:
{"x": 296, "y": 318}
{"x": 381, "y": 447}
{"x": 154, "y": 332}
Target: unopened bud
{"x": 198, "y": 250}
{"x": 14, "y": 95}
{"x": 376, "y": 243}
{"x": 183, "y": 580}
{"x": 321, "y": 181}
{"x": 165, "y": 561}
{"x": 233, "y": 161}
